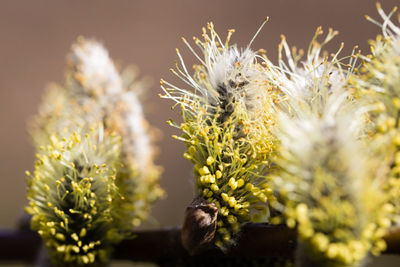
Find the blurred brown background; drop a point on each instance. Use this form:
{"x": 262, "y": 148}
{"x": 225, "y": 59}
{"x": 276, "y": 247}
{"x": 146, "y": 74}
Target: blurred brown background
{"x": 36, "y": 35}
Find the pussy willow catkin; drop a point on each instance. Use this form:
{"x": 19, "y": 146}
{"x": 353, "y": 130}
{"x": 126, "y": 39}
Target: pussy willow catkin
{"x": 76, "y": 163}
{"x": 226, "y": 107}
{"x": 379, "y": 83}
{"x": 324, "y": 178}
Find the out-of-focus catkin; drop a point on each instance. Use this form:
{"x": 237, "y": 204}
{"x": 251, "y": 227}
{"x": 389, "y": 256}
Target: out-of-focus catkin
{"x": 72, "y": 132}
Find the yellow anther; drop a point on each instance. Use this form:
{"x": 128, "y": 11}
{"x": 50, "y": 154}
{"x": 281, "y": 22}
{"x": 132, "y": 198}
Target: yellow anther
{"x": 75, "y": 237}
{"x": 231, "y": 219}
{"x": 211, "y": 178}
{"x": 390, "y": 122}
{"x": 388, "y": 207}
{"x": 85, "y": 259}
{"x": 207, "y": 192}
{"x": 305, "y": 230}
{"x": 232, "y": 183}
{"x": 302, "y": 212}
{"x": 380, "y": 232}
{"x": 320, "y": 241}
{"x": 396, "y": 102}
{"x": 210, "y": 160}
{"x": 396, "y": 139}
{"x": 381, "y": 245}
{"x": 75, "y": 249}
{"x": 290, "y": 222}
{"x": 246, "y": 204}
{"x": 384, "y": 222}
{"x": 187, "y": 156}
{"x": 91, "y": 257}
{"x": 60, "y": 236}
{"x": 225, "y": 197}
{"x": 240, "y": 183}
{"x": 136, "y": 222}
{"x": 83, "y": 232}
{"x": 224, "y": 211}
{"x": 192, "y": 150}
{"x": 255, "y": 190}
{"x": 237, "y": 207}
{"x": 226, "y": 237}
{"x": 53, "y": 140}
{"x": 232, "y": 202}
{"x": 204, "y": 170}
{"x": 214, "y": 187}
{"x": 263, "y": 197}
{"x": 249, "y": 187}
{"x": 77, "y": 137}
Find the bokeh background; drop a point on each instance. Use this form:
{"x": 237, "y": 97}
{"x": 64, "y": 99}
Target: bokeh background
{"x": 35, "y": 37}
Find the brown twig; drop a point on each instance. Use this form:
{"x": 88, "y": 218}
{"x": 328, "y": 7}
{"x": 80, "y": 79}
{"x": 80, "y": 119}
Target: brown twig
{"x": 162, "y": 246}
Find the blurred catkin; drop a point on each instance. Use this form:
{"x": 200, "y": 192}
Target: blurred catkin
{"x": 324, "y": 177}
{"x": 78, "y": 174}
{"x": 379, "y": 83}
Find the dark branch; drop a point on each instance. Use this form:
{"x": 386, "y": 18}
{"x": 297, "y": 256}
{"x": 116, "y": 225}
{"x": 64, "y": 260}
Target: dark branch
{"x": 163, "y": 246}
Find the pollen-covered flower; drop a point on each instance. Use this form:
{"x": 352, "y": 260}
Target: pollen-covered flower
{"x": 324, "y": 177}
{"x": 72, "y": 197}
{"x": 95, "y": 93}
{"x": 227, "y": 120}
{"x": 379, "y": 82}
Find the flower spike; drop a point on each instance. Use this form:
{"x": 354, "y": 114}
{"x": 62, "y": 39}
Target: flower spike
{"x": 94, "y": 96}
{"x": 226, "y": 108}
{"x": 323, "y": 175}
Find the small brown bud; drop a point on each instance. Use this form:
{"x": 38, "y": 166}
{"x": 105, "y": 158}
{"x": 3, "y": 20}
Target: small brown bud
{"x": 199, "y": 226}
